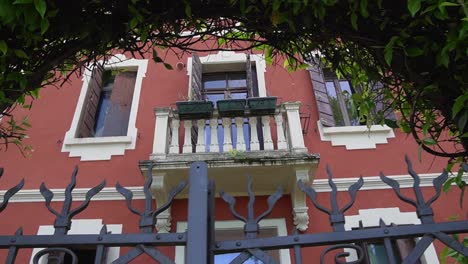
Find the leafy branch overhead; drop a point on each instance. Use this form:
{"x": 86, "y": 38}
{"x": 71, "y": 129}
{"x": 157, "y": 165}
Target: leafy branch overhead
{"x": 417, "y": 49}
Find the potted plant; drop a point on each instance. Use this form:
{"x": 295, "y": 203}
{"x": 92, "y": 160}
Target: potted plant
{"x": 194, "y": 109}
{"x": 262, "y": 105}
{"x": 231, "y": 107}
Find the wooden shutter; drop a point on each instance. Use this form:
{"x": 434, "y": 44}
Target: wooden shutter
{"x": 321, "y": 95}
{"x": 116, "y": 123}
{"x": 249, "y": 78}
{"x": 379, "y": 104}
{"x": 197, "y": 71}
{"x": 90, "y": 105}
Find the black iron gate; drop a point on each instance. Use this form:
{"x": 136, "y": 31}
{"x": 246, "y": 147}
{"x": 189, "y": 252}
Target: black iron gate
{"x": 199, "y": 238}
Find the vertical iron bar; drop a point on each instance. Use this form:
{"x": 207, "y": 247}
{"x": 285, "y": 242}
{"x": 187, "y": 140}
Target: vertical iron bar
{"x": 297, "y": 251}
{"x": 390, "y": 251}
{"x": 198, "y": 219}
{"x": 211, "y": 221}
{"x": 12, "y": 252}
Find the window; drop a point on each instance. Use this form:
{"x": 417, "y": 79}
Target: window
{"x": 104, "y": 121}
{"x": 376, "y": 253}
{"x": 375, "y": 250}
{"x": 106, "y": 110}
{"x": 226, "y": 75}
{"x": 226, "y": 230}
{"x": 339, "y": 95}
{"x": 338, "y": 118}
{"x": 84, "y": 254}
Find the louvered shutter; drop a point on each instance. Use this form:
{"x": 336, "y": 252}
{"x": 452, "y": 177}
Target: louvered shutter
{"x": 377, "y": 88}
{"x": 116, "y": 123}
{"x": 321, "y": 96}
{"x": 249, "y": 78}
{"x": 90, "y": 105}
{"x": 197, "y": 71}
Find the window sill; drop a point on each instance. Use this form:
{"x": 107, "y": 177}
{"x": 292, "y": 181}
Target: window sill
{"x": 356, "y": 137}
{"x": 98, "y": 140}
{"x": 100, "y": 148}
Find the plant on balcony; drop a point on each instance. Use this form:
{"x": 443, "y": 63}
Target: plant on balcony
{"x": 231, "y": 107}
{"x": 194, "y": 109}
{"x": 262, "y": 105}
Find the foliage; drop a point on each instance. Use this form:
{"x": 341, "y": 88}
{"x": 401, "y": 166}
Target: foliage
{"x": 417, "y": 49}
{"x": 451, "y": 253}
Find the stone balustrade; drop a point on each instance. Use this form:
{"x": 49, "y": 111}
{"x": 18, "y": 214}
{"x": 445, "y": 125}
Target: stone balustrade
{"x": 224, "y": 134}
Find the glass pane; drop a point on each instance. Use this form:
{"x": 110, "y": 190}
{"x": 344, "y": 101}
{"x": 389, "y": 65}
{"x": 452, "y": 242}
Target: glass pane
{"x": 214, "y": 81}
{"x": 350, "y": 107}
{"x": 377, "y": 254}
{"x": 334, "y": 104}
{"x": 215, "y": 97}
{"x": 236, "y": 80}
{"x": 238, "y": 95}
{"x": 103, "y": 109}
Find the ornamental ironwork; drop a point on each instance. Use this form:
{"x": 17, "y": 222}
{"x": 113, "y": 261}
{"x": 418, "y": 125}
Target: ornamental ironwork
{"x": 199, "y": 239}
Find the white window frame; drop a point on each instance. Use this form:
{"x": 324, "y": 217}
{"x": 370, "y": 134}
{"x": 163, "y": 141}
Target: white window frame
{"x": 81, "y": 227}
{"x": 231, "y": 57}
{"x": 371, "y": 218}
{"x": 103, "y": 148}
{"x": 278, "y": 223}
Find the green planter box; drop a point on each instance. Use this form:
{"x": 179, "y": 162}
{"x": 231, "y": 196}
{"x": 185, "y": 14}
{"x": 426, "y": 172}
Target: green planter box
{"x": 195, "y": 109}
{"x": 231, "y": 107}
{"x": 262, "y": 105}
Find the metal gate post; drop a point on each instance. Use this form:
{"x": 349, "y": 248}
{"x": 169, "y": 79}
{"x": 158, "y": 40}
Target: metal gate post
{"x": 198, "y": 233}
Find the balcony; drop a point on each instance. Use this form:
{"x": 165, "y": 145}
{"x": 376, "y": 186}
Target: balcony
{"x": 269, "y": 148}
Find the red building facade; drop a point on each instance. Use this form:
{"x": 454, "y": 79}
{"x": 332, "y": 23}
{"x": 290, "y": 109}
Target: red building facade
{"x": 117, "y": 121}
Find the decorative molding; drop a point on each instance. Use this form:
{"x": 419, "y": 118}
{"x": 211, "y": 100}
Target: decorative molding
{"x": 299, "y": 200}
{"x": 82, "y": 226}
{"x": 356, "y": 137}
{"x": 320, "y": 185}
{"x": 160, "y": 193}
{"x": 371, "y": 218}
{"x": 278, "y": 223}
{"x": 103, "y": 148}
{"x": 231, "y": 57}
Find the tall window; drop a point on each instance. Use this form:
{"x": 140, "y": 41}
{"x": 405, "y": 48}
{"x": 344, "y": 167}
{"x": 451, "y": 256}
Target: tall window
{"x": 107, "y": 106}
{"x": 339, "y": 95}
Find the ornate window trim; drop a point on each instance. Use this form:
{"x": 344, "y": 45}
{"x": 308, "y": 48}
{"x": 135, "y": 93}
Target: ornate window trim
{"x": 80, "y": 227}
{"x": 102, "y": 148}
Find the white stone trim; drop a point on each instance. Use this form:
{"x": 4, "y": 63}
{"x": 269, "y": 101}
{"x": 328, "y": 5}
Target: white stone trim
{"x": 356, "y": 137}
{"x": 81, "y": 227}
{"x": 227, "y": 57}
{"x": 103, "y": 148}
{"x": 320, "y": 185}
{"x": 278, "y": 223}
{"x": 371, "y": 218}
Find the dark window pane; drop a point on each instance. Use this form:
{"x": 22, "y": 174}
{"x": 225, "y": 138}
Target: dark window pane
{"x": 214, "y": 81}
{"x": 236, "y": 80}
{"x": 335, "y": 104}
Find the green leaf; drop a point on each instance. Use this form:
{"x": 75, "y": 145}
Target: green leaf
{"x": 21, "y": 54}
{"x": 414, "y": 51}
{"x": 44, "y": 25}
{"x": 168, "y": 66}
{"x": 22, "y": 2}
{"x": 459, "y": 104}
{"x": 3, "y": 47}
{"x": 41, "y": 7}
{"x": 363, "y": 8}
{"x": 391, "y": 123}
{"x": 429, "y": 141}
{"x": 354, "y": 21}
{"x": 188, "y": 9}
{"x": 414, "y": 6}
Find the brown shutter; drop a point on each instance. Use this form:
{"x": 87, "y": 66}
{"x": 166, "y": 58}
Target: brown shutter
{"x": 249, "y": 79}
{"x": 116, "y": 123}
{"x": 90, "y": 105}
{"x": 377, "y": 88}
{"x": 197, "y": 71}
{"x": 321, "y": 96}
